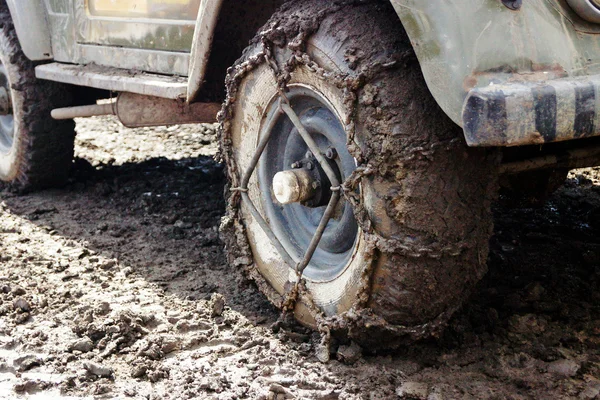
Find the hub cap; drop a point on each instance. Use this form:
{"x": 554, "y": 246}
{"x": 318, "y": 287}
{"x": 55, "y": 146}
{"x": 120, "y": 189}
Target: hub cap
{"x": 295, "y": 190}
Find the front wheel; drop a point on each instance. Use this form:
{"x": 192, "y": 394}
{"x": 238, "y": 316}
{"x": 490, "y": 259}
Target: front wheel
{"x": 410, "y": 237}
{"x": 35, "y": 150}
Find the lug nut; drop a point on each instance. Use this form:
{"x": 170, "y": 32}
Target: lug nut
{"x": 308, "y": 154}
{"x": 316, "y": 185}
{"x": 331, "y": 153}
{"x": 295, "y": 165}
{"x": 309, "y": 165}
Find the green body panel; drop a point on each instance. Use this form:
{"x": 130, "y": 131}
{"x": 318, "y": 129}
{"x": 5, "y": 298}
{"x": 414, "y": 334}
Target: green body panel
{"x": 150, "y": 35}
{"x": 145, "y": 24}
{"x": 462, "y": 44}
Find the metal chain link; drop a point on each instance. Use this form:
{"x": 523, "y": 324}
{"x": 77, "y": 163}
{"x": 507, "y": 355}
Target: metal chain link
{"x": 298, "y": 288}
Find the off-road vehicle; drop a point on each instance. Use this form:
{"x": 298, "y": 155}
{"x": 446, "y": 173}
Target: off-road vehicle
{"x": 363, "y": 139}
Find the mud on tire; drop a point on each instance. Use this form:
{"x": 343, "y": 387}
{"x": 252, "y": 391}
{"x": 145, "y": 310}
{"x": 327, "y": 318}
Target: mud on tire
{"x": 40, "y": 152}
{"x": 421, "y": 197}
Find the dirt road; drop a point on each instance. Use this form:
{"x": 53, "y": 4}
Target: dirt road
{"x": 116, "y": 287}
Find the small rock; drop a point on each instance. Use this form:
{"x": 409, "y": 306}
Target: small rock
{"x": 435, "y": 396}
{"x": 217, "y": 304}
{"x": 332, "y": 395}
{"x": 97, "y": 369}
{"x": 108, "y": 264}
{"x": 70, "y": 276}
{"x": 68, "y": 358}
{"x": 5, "y": 289}
{"x": 83, "y": 253}
{"x": 138, "y": 372}
{"x": 18, "y": 291}
{"x": 527, "y": 324}
{"x": 534, "y": 292}
{"x": 102, "y": 389}
{"x": 4, "y": 367}
{"x": 103, "y": 308}
{"x": 413, "y": 391}
{"x": 564, "y": 368}
{"x": 322, "y": 352}
{"x": 22, "y": 305}
{"x": 61, "y": 266}
{"x": 153, "y": 352}
{"x": 182, "y": 326}
{"x": 127, "y": 271}
{"x": 169, "y": 345}
{"x": 280, "y": 391}
{"x": 112, "y": 329}
{"x": 21, "y": 318}
{"x": 349, "y": 354}
{"x": 155, "y": 376}
{"x": 30, "y": 386}
{"x": 84, "y": 345}
{"x": 26, "y": 362}
{"x": 407, "y": 366}
{"x": 591, "y": 390}
{"x": 183, "y": 225}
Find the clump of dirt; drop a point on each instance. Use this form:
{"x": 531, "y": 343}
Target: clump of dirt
{"x": 116, "y": 286}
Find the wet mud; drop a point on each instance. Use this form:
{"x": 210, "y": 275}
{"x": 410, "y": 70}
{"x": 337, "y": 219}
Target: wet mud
{"x": 116, "y": 286}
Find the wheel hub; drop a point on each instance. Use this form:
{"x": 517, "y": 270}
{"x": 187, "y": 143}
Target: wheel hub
{"x": 294, "y": 186}
{"x": 307, "y": 182}
{"x": 296, "y": 190}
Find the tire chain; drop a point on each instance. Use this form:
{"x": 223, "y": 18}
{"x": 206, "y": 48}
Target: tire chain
{"x": 359, "y": 314}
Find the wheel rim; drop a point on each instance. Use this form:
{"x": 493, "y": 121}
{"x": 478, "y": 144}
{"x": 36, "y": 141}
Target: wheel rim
{"x": 295, "y": 224}
{"x": 7, "y": 122}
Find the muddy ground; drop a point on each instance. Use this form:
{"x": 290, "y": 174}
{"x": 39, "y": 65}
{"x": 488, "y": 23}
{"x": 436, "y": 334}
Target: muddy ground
{"x": 117, "y": 287}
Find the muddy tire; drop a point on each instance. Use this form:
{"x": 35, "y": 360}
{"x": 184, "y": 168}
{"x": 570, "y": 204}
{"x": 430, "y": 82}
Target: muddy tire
{"x": 35, "y": 150}
{"x": 420, "y": 198}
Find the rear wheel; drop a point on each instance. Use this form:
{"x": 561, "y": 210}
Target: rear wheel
{"x": 411, "y": 236}
{"x": 35, "y": 150}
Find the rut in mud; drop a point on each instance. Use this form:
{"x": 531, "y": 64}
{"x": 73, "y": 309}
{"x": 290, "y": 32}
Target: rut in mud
{"x": 117, "y": 286}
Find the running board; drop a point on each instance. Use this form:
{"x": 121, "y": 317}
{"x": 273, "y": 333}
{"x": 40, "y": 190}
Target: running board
{"x": 115, "y": 79}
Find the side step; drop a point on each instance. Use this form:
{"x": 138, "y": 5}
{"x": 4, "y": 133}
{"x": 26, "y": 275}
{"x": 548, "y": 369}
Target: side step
{"x": 115, "y": 79}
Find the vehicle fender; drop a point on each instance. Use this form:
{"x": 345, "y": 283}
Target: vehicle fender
{"x": 463, "y": 45}
{"x": 33, "y": 31}
{"x": 223, "y": 30}
{"x": 203, "y": 38}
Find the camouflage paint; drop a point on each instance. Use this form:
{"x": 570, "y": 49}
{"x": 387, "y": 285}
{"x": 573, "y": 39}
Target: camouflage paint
{"x": 465, "y": 44}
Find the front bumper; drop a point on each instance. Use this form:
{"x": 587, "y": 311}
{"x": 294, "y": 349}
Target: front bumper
{"x": 525, "y": 113}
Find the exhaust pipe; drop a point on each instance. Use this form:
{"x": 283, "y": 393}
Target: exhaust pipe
{"x": 136, "y": 110}
{"x": 84, "y": 111}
